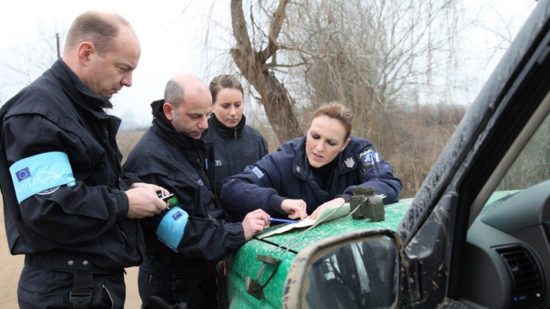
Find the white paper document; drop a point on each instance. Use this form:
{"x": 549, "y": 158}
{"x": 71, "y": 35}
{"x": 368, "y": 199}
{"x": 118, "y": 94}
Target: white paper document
{"x": 324, "y": 216}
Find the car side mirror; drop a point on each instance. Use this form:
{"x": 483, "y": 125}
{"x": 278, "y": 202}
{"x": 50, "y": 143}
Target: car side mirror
{"x": 360, "y": 270}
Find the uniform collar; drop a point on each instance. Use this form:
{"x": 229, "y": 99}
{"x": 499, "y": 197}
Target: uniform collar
{"x": 162, "y": 126}
{"x": 345, "y": 160}
{"x": 77, "y": 90}
{"x": 224, "y": 131}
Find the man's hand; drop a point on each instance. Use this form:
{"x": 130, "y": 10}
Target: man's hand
{"x": 143, "y": 200}
{"x": 337, "y": 202}
{"x": 296, "y": 209}
{"x": 149, "y": 186}
{"x": 254, "y": 222}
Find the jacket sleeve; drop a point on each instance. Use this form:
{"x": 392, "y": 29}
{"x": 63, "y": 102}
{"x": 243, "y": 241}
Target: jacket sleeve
{"x": 211, "y": 239}
{"x": 68, "y": 214}
{"x": 256, "y": 187}
{"x": 376, "y": 173}
{"x": 128, "y": 179}
{"x": 206, "y": 235}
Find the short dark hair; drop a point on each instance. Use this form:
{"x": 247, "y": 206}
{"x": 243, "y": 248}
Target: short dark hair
{"x": 224, "y": 81}
{"x": 337, "y": 111}
{"x": 100, "y": 29}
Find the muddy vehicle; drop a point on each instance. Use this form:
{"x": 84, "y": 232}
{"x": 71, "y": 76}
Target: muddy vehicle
{"x": 475, "y": 235}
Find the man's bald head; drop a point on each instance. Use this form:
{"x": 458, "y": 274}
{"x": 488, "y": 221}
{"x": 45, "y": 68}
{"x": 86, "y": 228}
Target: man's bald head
{"x": 187, "y": 105}
{"x": 103, "y": 50}
{"x": 99, "y": 28}
{"x": 185, "y": 86}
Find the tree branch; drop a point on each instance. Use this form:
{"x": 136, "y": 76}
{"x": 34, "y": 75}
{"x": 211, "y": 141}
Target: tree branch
{"x": 274, "y": 30}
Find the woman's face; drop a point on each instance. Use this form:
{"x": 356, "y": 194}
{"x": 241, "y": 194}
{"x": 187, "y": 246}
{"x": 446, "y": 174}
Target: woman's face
{"x": 325, "y": 139}
{"x": 229, "y": 107}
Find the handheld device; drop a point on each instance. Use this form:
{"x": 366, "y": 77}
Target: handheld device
{"x": 164, "y": 197}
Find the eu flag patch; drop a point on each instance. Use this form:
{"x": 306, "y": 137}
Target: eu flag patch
{"x": 23, "y": 174}
{"x": 176, "y": 215}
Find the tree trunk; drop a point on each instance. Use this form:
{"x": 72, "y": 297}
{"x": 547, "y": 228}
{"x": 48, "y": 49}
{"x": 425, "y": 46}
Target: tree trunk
{"x": 252, "y": 64}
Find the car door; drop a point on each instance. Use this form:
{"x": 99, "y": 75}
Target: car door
{"x": 512, "y": 106}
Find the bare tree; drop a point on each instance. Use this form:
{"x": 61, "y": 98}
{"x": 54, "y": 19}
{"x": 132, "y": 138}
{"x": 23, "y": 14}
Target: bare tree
{"x": 365, "y": 53}
{"x": 252, "y": 62}
{"x": 385, "y": 59}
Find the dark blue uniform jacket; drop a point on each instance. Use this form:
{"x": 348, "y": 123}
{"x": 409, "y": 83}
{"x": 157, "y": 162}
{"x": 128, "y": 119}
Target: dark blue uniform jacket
{"x": 234, "y": 148}
{"x": 286, "y": 173}
{"x": 58, "y": 113}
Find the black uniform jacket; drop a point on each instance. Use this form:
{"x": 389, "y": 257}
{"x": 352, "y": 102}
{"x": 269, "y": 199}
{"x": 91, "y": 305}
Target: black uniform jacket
{"x": 234, "y": 148}
{"x": 58, "y": 113}
{"x": 178, "y": 163}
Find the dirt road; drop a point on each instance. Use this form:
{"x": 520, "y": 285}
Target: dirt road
{"x": 10, "y": 267}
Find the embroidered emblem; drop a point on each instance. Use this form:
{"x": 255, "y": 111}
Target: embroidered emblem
{"x": 177, "y": 215}
{"x": 218, "y": 163}
{"x": 349, "y": 162}
{"x": 23, "y": 174}
{"x": 49, "y": 191}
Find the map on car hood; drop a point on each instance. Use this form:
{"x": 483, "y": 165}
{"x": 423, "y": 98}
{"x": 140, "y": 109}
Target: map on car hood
{"x": 324, "y": 216}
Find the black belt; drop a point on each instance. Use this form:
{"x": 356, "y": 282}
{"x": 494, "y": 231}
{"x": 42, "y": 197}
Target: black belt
{"x": 80, "y": 296}
{"x": 66, "y": 262}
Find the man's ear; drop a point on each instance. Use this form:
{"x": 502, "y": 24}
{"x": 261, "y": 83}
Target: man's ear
{"x": 85, "y": 52}
{"x": 168, "y": 110}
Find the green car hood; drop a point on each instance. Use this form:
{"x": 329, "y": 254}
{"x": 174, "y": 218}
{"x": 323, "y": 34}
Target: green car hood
{"x": 244, "y": 264}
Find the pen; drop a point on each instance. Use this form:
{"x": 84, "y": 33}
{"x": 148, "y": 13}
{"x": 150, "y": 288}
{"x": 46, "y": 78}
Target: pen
{"x": 278, "y": 220}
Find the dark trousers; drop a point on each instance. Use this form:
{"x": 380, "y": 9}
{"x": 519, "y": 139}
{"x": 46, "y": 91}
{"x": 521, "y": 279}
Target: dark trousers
{"x": 180, "y": 283}
{"x": 41, "y": 288}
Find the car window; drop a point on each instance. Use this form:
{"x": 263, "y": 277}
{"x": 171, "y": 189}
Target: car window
{"x": 533, "y": 164}
{"x": 531, "y": 167}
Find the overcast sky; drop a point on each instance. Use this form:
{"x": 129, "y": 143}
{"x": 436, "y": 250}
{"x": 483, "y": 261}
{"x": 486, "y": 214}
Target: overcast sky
{"x": 192, "y": 36}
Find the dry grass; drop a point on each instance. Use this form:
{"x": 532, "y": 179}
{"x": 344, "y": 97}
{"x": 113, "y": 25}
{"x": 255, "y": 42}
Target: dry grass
{"x": 127, "y": 140}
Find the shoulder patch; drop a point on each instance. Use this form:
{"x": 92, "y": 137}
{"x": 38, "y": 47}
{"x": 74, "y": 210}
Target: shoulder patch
{"x": 258, "y": 172}
{"x": 369, "y": 158}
